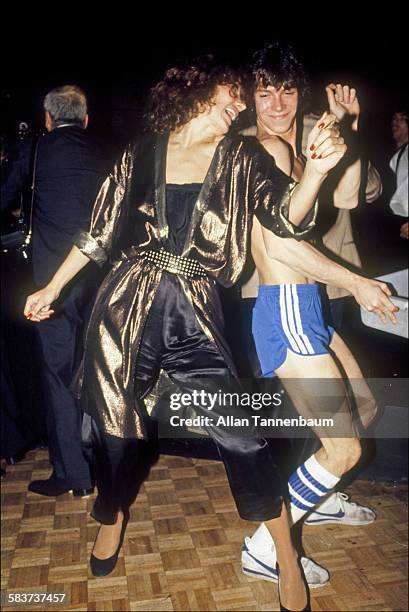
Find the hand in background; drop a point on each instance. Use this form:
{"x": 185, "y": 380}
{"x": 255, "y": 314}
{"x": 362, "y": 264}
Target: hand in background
{"x": 343, "y": 101}
{"x": 404, "y": 230}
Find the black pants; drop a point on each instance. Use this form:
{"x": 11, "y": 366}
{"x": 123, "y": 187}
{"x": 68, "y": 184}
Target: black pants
{"x": 173, "y": 341}
{"x": 12, "y": 439}
{"x": 59, "y": 338}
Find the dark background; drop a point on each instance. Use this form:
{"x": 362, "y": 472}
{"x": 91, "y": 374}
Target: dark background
{"x": 116, "y": 54}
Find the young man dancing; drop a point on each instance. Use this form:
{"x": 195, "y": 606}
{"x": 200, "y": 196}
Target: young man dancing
{"x": 291, "y": 338}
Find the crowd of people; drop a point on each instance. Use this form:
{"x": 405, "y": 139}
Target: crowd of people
{"x": 127, "y": 261}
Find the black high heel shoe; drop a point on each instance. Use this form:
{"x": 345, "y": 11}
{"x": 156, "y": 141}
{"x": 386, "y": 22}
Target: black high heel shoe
{"x": 103, "y": 567}
{"x": 307, "y": 607}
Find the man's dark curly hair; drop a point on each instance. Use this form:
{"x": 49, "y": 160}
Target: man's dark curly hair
{"x": 185, "y": 92}
{"x": 276, "y": 65}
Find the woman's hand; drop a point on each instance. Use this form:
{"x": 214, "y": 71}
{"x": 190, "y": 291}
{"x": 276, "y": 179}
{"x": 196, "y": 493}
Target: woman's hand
{"x": 38, "y": 304}
{"x": 325, "y": 146}
{"x": 343, "y": 100}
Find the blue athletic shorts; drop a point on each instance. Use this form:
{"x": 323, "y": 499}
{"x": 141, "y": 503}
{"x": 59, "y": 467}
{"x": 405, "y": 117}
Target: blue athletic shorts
{"x": 288, "y": 317}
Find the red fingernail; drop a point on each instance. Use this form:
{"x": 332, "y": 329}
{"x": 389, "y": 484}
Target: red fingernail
{"x": 30, "y": 314}
{"x": 312, "y": 147}
{"x": 321, "y": 125}
{"x": 320, "y": 157}
{"x": 313, "y": 156}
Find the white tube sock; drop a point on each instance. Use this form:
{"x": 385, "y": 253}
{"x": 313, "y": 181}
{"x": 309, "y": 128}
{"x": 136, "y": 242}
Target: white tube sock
{"x": 308, "y": 485}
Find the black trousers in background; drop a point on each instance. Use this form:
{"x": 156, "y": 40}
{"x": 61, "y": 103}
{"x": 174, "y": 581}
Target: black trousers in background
{"x": 60, "y": 337}
{"x": 173, "y": 341}
{"x": 12, "y": 439}
{"x": 23, "y": 412}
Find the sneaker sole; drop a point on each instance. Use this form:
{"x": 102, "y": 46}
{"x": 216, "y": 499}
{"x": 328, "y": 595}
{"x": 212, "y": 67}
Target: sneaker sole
{"x": 255, "y": 574}
{"x": 338, "y": 522}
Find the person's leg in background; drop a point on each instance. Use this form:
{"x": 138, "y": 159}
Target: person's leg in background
{"x": 13, "y": 442}
{"x": 58, "y": 339}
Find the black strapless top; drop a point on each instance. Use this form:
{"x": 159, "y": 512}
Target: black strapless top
{"x": 180, "y": 202}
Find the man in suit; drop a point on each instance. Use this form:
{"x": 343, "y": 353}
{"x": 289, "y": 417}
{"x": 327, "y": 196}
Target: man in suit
{"x": 69, "y": 171}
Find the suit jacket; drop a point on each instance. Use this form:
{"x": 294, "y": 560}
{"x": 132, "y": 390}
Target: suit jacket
{"x": 70, "y": 170}
{"x": 129, "y": 219}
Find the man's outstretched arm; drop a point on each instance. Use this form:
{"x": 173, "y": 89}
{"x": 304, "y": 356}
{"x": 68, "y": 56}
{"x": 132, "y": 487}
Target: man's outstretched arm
{"x": 301, "y": 256}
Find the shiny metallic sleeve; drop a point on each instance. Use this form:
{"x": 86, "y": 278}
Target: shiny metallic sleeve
{"x": 272, "y": 204}
{"x": 90, "y": 247}
{"x": 306, "y": 225}
{"x": 98, "y": 241}
{"x": 272, "y": 198}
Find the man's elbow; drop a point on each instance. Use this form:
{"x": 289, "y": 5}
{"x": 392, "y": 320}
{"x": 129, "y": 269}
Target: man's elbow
{"x": 346, "y": 203}
{"x": 282, "y": 250}
{"x": 297, "y": 219}
{"x": 371, "y": 195}
{"x": 374, "y": 187}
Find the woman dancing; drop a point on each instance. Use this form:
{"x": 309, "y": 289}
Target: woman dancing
{"x": 173, "y": 219}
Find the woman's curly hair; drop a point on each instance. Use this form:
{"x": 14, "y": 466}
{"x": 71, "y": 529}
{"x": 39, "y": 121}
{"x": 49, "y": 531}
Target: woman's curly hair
{"x": 186, "y": 92}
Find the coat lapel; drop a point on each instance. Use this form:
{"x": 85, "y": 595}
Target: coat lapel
{"x": 160, "y": 186}
{"x": 202, "y": 202}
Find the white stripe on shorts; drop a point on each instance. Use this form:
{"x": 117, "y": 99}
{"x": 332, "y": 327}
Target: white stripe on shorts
{"x": 299, "y": 322}
{"x": 291, "y": 321}
{"x": 283, "y": 313}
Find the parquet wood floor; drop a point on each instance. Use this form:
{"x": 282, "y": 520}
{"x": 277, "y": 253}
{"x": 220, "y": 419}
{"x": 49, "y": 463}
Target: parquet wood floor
{"x": 182, "y": 550}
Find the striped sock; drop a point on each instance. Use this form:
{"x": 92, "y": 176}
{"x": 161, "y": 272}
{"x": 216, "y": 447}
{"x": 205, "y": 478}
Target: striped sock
{"x": 308, "y": 485}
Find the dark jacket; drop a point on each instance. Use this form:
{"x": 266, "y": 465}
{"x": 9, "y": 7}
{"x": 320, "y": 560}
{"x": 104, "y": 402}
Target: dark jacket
{"x": 70, "y": 170}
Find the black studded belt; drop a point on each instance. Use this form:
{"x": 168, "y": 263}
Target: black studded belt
{"x": 175, "y": 264}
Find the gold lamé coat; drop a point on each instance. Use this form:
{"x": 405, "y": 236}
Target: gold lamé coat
{"x": 129, "y": 218}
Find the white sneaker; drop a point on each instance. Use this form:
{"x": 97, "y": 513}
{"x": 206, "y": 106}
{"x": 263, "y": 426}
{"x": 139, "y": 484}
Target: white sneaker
{"x": 263, "y": 565}
{"x": 337, "y": 509}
